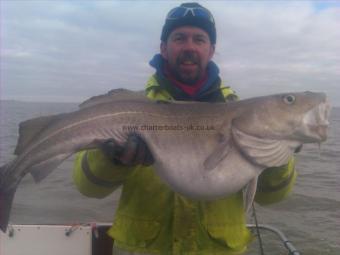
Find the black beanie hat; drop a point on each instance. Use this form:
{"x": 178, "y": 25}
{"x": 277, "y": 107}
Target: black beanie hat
{"x": 189, "y": 14}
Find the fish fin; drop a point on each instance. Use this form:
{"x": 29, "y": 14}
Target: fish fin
{"x": 114, "y": 95}
{"x": 29, "y": 129}
{"x": 264, "y": 152}
{"x": 249, "y": 193}
{"x": 6, "y": 198}
{"x": 43, "y": 169}
{"x": 6, "y": 201}
{"x": 219, "y": 153}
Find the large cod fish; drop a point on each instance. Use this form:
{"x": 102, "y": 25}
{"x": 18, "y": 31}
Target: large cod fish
{"x": 203, "y": 151}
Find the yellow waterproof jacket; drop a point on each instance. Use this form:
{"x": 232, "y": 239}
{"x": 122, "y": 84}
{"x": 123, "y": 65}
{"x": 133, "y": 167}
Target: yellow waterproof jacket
{"x": 152, "y": 219}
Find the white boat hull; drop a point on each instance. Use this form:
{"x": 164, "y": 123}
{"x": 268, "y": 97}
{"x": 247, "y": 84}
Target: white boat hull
{"x": 55, "y": 240}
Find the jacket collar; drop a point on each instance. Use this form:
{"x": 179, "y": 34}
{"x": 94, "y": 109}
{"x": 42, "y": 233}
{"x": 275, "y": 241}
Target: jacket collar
{"x": 212, "y": 83}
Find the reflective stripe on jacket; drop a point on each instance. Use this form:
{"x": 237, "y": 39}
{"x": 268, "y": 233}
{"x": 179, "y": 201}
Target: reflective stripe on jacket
{"x": 152, "y": 219}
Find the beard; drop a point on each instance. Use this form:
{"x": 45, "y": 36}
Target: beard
{"x": 187, "y": 68}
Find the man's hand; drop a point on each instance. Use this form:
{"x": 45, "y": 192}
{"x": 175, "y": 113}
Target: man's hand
{"x": 133, "y": 152}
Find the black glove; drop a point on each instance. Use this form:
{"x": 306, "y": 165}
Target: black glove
{"x": 133, "y": 152}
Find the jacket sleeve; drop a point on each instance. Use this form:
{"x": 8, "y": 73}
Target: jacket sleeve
{"x": 95, "y": 175}
{"x": 275, "y": 183}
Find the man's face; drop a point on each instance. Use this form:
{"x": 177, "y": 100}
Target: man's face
{"x": 188, "y": 51}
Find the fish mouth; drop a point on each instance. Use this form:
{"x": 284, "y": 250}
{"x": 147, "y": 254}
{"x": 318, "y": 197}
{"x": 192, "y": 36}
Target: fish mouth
{"x": 316, "y": 121}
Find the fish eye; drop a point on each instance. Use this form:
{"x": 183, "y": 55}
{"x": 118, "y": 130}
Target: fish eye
{"x": 289, "y": 99}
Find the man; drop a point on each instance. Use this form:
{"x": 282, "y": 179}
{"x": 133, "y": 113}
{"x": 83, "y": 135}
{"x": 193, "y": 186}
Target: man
{"x": 151, "y": 218}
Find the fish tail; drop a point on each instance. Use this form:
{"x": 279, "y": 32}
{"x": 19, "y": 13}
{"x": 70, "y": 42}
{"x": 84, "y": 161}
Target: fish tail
{"x": 6, "y": 200}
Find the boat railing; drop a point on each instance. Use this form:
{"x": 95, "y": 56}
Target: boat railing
{"x": 89, "y": 239}
{"x": 286, "y": 242}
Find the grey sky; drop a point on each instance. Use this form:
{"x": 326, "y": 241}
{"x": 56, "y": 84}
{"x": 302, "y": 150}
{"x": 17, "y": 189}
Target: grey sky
{"x": 71, "y": 50}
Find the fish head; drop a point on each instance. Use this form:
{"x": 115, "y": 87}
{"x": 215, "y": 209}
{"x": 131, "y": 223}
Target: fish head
{"x": 301, "y": 117}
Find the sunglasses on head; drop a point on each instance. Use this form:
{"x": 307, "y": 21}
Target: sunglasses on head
{"x": 182, "y": 11}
